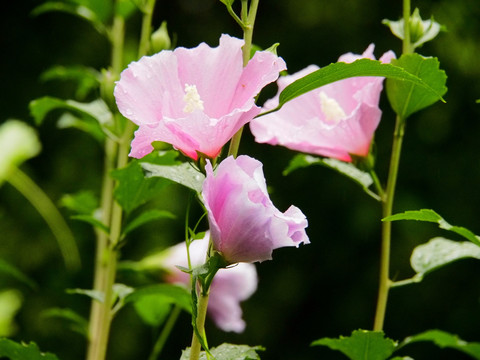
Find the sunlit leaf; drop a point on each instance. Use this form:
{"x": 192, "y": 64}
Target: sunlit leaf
{"x": 340, "y": 70}
{"x": 407, "y": 98}
{"x": 183, "y": 174}
{"x": 146, "y": 217}
{"x": 228, "y": 352}
{"x": 19, "y": 142}
{"x": 76, "y": 322}
{"x": 361, "y": 345}
{"x": 16, "y": 351}
{"x": 10, "y": 303}
{"x": 133, "y": 188}
{"x": 431, "y": 216}
{"x": 446, "y": 340}
{"x": 439, "y": 252}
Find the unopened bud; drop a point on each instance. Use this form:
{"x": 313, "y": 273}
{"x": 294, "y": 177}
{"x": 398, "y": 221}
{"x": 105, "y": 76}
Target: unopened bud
{"x": 160, "y": 39}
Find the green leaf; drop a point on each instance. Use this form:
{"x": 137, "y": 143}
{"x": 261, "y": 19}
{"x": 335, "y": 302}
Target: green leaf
{"x": 19, "y": 142}
{"x": 16, "y": 351}
{"x": 431, "y": 216}
{"x": 133, "y": 188}
{"x": 12, "y": 271}
{"x": 439, "y": 252}
{"x": 147, "y": 217}
{"x": 446, "y": 340}
{"x": 183, "y": 174}
{"x": 125, "y": 8}
{"x": 87, "y": 79}
{"x": 362, "y": 178}
{"x": 92, "y": 294}
{"x": 176, "y": 294}
{"x": 10, "y": 303}
{"x": 407, "y": 98}
{"x": 76, "y": 322}
{"x": 153, "y": 309}
{"x": 339, "y": 71}
{"x": 229, "y": 352}
{"x": 227, "y": 2}
{"x": 83, "y": 202}
{"x": 361, "y": 345}
{"x": 90, "y": 219}
{"x": 96, "y": 114}
{"x": 81, "y": 11}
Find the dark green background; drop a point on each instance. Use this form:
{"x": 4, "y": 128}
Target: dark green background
{"x": 327, "y": 288}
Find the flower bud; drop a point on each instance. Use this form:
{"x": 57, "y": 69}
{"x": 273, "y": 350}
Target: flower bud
{"x": 160, "y": 39}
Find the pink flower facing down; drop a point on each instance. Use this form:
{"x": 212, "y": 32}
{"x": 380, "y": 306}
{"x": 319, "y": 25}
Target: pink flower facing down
{"x": 335, "y": 120}
{"x": 195, "y": 99}
{"x": 229, "y": 286}
{"x": 245, "y": 226}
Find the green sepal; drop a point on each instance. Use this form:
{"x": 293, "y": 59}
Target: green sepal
{"x": 407, "y": 98}
{"x": 22, "y": 351}
{"x": 361, "y": 344}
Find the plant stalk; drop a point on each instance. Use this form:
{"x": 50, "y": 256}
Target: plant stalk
{"x": 167, "y": 329}
{"x": 42, "y": 203}
{"x": 201, "y": 315}
{"x": 248, "y": 19}
{"x": 387, "y": 202}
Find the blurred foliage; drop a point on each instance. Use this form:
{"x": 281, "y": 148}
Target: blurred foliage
{"x": 321, "y": 290}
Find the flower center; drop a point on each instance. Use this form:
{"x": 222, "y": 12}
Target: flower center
{"x": 331, "y": 109}
{"x": 192, "y": 99}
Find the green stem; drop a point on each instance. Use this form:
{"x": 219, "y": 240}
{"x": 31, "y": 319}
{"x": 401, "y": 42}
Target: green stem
{"x": 167, "y": 329}
{"x": 201, "y": 315}
{"x": 144, "y": 45}
{"x": 42, "y": 203}
{"x": 387, "y": 205}
{"x": 248, "y": 19}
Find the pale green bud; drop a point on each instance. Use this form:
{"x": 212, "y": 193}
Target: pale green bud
{"x": 160, "y": 39}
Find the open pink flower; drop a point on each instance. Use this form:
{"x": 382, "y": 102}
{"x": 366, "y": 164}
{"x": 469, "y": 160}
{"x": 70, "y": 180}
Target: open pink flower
{"x": 245, "y": 225}
{"x": 336, "y": 120}
{"x": 229, "y": 286}
{"x": 195, "y": 99}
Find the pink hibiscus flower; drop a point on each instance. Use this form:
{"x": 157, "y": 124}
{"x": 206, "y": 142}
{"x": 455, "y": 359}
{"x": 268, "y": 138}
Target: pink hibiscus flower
{"x": 229, "y": 286}
{"x": 194, "y": 99}
{"x": 336, "y": 120}
{"x": 245, "y": 225}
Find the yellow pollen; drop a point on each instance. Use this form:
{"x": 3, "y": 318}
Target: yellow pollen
{"x": 331, "y": 109}
{"x": 192, "y": 99}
